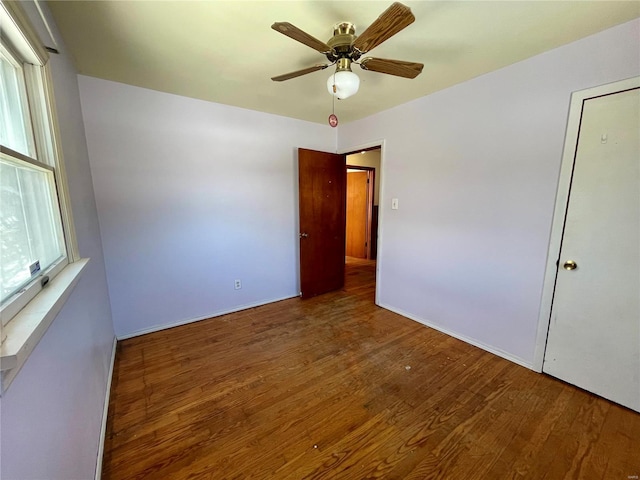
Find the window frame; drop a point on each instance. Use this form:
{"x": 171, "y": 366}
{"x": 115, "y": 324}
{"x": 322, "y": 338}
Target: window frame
{"x": 20, "y": 329}
{"x": 13, "y": 58}
{"x": 39, "y": 156}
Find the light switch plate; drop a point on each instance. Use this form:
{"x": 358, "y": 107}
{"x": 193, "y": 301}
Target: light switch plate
{"x": 394, "y": 204}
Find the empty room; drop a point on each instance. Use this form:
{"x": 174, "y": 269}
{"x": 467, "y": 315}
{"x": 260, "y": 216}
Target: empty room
{"x": 320, "y": 239}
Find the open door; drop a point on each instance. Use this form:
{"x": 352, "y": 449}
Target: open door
{"x": 356, "y": 244}
{"x": 360, "y": 192}
{"x": 322, "y": 185}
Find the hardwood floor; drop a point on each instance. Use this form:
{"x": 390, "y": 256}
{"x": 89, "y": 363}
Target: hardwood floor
{"x": 337, "y": 388}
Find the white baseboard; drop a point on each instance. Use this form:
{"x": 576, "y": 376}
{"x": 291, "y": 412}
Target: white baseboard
{"x": 475, "y": 343}
{"x": 105, "y": 411}
{"x": 157, "y": 328}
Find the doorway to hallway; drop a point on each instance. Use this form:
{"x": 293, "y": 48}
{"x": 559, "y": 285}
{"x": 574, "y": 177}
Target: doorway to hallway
{"x": 362, "y": 204}
{"x": 322, "y": 216}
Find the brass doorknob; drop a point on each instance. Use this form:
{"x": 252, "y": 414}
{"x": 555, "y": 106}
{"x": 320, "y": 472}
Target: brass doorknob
{"x": 570, "y": 265}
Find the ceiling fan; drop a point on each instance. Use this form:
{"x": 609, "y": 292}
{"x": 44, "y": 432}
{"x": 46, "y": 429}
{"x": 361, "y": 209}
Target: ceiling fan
{"x": 346, "y": 48}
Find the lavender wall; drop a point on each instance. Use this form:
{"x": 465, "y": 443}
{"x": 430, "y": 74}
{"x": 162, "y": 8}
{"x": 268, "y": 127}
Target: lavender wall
{"x": 475, "y": 169}
{"x": 192, "y": 195}
{"x": 52, "y": 412}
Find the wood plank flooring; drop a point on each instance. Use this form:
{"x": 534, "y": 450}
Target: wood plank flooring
{"x": 337, "y": 388}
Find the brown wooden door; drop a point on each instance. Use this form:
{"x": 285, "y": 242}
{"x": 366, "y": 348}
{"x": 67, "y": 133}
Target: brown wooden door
{"x": 322, "y": 184}
{"x": 357, "y": 190}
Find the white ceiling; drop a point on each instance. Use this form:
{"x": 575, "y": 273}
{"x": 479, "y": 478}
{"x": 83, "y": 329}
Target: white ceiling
{"x": 226, "y": 52}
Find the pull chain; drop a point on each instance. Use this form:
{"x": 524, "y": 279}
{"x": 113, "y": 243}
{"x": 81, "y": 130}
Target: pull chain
{"x": 333, "y": 120}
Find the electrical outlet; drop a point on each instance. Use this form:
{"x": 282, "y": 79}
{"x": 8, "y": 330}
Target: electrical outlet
{"x": 237, "y": 284}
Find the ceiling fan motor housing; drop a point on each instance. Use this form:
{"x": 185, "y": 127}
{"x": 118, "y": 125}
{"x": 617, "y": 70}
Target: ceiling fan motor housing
{"x": 344, "y": 34}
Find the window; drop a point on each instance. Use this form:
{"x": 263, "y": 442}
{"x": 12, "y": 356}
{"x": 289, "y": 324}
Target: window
{"x": 31, "y": 238}
{"x": 37, "y": 239}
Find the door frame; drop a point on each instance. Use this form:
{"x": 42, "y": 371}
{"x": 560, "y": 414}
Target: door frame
{"x": 562, "y": 201}
{"x": 371, "y": 146}
{"x": 371, "y": 179}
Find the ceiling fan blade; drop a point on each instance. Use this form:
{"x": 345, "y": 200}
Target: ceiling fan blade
{"x": 392, "y": 20}
{"x": 294, "y": 32}
{"x": 299, "y": 73}
{"x": 398, "y": 68}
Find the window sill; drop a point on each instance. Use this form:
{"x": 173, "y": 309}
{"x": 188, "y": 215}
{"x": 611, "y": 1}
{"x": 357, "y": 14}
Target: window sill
{"x": 26, "y": 329}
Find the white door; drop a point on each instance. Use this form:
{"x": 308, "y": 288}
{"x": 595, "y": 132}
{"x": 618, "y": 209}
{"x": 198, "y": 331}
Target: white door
{"x": 594, "y": 331}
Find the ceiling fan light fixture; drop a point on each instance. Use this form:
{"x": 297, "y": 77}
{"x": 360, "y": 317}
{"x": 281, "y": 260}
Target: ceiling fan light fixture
{"x": 343, "y": 83}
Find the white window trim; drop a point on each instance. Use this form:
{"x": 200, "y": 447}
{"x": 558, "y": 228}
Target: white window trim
{"x": 22, "y": 333}
{"x": 25, "y": 330}
{"x": 68, "y": 225}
